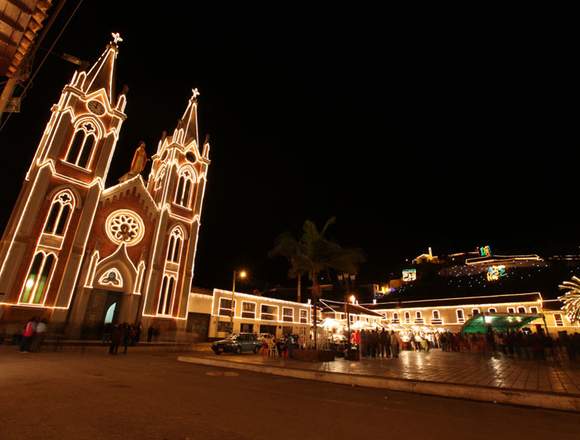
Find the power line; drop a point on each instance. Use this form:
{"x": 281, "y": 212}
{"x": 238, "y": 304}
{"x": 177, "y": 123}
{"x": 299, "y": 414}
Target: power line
{"x": 31, "y": 79}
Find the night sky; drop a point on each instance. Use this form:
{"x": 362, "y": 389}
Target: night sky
{"x": 412, "y": 132}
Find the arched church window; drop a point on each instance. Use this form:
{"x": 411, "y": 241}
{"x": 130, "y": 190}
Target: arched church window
{"x": 59, "y": 213}
{"x": 80, "y": 151}
{"x": 175, "y": 245}
{"x": 38, "y": 279}
{"x": 184, "y": 188}
{"x": 166, "y": 295}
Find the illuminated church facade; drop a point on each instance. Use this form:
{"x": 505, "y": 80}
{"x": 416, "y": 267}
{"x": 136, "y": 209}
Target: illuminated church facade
{"x": 83, "y": 255}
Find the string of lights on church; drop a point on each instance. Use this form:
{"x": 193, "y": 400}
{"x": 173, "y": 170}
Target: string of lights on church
{"x": 81, "y": 254}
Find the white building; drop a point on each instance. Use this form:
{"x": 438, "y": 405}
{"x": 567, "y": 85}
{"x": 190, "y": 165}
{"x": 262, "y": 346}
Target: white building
{"x": 210, "y": 312}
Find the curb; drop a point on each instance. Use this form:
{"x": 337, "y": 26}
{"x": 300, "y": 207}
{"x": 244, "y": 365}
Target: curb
{"x": 536, "y": 399}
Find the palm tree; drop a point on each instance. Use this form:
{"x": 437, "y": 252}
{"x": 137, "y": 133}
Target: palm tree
{"x": 287, "y": 246}
{"x": 571, "y": 299}
{"x": 313, "y": 253}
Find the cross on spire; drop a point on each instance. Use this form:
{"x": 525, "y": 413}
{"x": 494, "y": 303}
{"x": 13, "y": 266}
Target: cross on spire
{"x": 116, "y": 37}
{"x": 195, "y": 93}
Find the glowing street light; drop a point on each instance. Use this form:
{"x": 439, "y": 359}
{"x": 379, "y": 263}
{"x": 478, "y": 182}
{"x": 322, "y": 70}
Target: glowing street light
{"x": 242, "y": 274}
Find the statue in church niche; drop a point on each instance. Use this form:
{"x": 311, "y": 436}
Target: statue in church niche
{"x": 138, "y": 163}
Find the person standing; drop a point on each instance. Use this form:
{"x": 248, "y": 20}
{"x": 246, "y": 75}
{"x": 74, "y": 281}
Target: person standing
{"x": 115, "y": 340}
{"x": 138, "y": 329}
{"x": 125, "y": 336}
{"x": 383, "y": 343}
{"x": 27, "y": 335}
{"x": 40, "y": 334}
{"x": 394, "y": 344}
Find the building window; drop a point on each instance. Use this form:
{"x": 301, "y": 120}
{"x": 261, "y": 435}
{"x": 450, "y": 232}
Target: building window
{"x": 558, "y": 319}
{"x": 492, "y": 310}
{"x": 287, "y": 314}
{"x": 184, "y": 188}
{"x": 534, "y": 310}
{"x": 246, "y": 328}
{"x": 303, "y": 316}
{"x": 248, "y": 310}
{"x": 436, "y": 314}
{"x": 226, "y": 308}
{"x": 166, "y": 295}
{"x": 418, "y": 318}
{"x": 511, "y": 310}
{"x": 460, "y": 316}
{"x": 59, "y": 213}
{"x": 475, "y": 312}
{"x": 407, "y": 317}
{"x": 175, "y": 245}
{"x": 395, "y": 318}
{"x": 521, "y": 309}
{"x": 268, "y": 313}
{"x": 224, "y": 326}
{"x": 81, "y": 148}
{"x": 38, "y": 279}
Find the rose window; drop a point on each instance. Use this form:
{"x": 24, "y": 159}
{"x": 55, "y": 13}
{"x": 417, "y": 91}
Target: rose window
{"x": 125, "y": 226}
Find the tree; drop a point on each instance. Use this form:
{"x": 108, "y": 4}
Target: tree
{"x": 314, "y": 253}
{"x": 571, "y": 299}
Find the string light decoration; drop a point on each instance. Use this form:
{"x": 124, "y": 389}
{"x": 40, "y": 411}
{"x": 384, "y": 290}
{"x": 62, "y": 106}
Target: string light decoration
{"x": 571, "y": 299}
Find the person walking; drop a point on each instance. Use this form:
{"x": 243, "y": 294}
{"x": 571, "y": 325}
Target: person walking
{"x": 39, "y": 335}
{"x": 27, "y": 335}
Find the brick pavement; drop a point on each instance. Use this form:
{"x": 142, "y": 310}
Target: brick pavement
{"x": 454, "y": 368}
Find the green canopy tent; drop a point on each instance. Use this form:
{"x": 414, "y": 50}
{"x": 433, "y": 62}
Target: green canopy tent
{"x": 499, "y": 322}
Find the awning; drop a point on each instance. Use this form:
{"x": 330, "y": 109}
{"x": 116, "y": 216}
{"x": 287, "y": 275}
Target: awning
{"x": 500, "y": 322}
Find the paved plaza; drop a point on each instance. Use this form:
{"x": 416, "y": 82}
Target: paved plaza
{"x": 449, "y": 367}
{"x": 149, "y": 395}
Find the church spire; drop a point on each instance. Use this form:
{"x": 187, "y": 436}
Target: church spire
{"x": 188, "y": 122}
{"x": 102, "y": 74}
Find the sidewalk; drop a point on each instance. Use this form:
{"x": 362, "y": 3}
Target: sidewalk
{"x": 465, "y": 375}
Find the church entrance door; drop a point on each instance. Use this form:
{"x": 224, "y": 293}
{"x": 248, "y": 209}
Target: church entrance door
{"x": 103, "y": 312}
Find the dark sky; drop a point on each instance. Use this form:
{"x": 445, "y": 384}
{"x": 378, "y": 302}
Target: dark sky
{"x": 412, "y": 131}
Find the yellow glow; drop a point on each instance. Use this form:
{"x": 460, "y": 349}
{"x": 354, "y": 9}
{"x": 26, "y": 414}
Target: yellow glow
{"x": 352, "y": 299}
{"x": 242, "y": 274}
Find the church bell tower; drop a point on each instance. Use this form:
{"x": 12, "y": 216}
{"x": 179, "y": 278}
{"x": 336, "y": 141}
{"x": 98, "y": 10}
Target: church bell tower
{"x": 44, "y": 241}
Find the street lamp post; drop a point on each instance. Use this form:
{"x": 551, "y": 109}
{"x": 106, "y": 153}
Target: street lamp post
{"x": 242, "y": 274}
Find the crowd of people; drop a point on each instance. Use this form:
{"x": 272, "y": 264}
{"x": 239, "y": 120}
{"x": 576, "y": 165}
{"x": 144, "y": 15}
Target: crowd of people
{"x": 33, "y": 335}
{"x": 122, "y": 334}
{"x": 518, "y": 344}
{"x": 35, "y": 330}
{"x": 378, "y": 344}
{"x": 280, "y": 347}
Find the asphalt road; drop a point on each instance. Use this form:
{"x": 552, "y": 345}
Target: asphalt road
{"x": 152, "y": 396}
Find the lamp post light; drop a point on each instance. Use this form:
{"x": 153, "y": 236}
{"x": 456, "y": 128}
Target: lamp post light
{"x": 242, "y": 274}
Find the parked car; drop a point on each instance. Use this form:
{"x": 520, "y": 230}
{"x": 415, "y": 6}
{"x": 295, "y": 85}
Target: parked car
{"x": 244, "y": 342}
